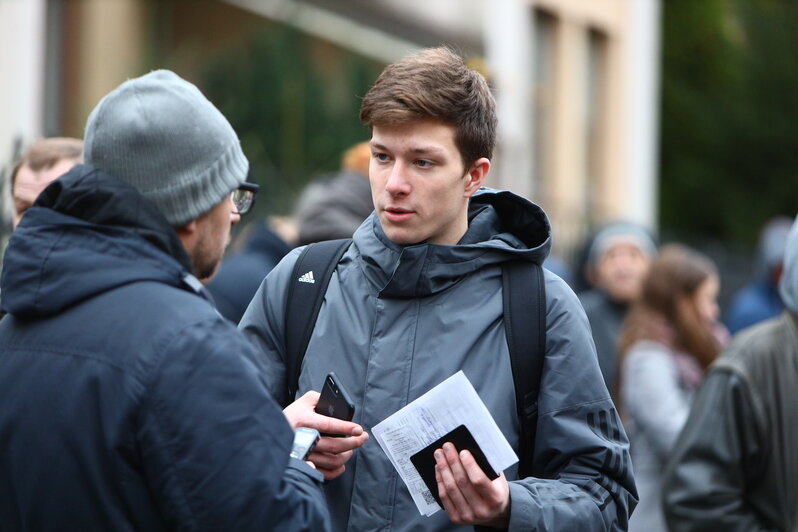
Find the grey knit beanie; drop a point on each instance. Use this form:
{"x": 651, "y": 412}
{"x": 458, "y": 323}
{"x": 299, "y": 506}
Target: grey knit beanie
{"x": 159, "y": 134}
{"x": 614, "y": 233}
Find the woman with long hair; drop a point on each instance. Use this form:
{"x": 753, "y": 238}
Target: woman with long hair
{"x": 669, "y": 338}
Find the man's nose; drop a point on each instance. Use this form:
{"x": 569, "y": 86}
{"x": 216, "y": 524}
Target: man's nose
{"x": 397, "y": 180}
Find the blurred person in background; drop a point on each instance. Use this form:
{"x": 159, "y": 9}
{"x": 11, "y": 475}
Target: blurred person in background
{"x": 241, "y": 273}
{"x": 580, "y": 280}
{"x": 128, "y": 403}
{"x": 333, "y": 206}
{"x": 617, "y": 262}
{"x": 735, "y": 466}
{"x": 669, "y": 338}
{"x": 759, "y": 300}
{"x": 559, "y": 267}
{"x": 43, "y": 162}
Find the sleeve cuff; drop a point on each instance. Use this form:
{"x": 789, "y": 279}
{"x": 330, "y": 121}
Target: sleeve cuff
{"x": 299, "y": 465}
{"x": 510, "y": 524}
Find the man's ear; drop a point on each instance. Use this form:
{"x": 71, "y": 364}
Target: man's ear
{"x": 187, "y": 234}
{"x": 476, "y": 176}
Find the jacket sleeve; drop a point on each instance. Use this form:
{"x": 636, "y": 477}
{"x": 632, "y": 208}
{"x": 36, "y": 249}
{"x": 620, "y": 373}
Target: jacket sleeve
{"x": 263, "y": 325}
{"x": 215, "y": 446}
{"x": 705, "y": 481}
{"x": 652, "y": 396}
{"x": 581, "y": 448}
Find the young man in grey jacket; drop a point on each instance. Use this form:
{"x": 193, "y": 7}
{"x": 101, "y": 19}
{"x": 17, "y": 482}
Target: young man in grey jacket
{"x": 417, "y": 296}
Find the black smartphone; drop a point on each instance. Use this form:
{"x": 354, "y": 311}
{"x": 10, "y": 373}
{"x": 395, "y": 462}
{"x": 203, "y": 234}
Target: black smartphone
{"x": 304, "y": 441}
{"x": 335, "y": 401}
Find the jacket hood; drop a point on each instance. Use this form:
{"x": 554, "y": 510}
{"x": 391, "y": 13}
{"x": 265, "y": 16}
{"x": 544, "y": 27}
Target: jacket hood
{"x": 502, "y": 226}
{"x": 788, "y": 286}
{"x": 87, "y": 233}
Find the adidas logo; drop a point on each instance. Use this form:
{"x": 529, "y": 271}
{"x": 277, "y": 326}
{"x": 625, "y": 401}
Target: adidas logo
{"x": 307, "y": 278}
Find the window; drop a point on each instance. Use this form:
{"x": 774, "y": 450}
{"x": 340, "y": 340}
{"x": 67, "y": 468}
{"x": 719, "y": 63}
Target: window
{"x": 594, "y": 106}
{"x": 543, "y": 103}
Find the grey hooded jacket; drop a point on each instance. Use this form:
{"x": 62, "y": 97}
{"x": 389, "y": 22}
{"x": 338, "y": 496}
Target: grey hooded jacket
{"x": 397, "y": 321}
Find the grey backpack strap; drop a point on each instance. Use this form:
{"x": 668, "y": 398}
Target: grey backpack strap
{"x": 524, "y": 299}
{"x": 311, "y": 276}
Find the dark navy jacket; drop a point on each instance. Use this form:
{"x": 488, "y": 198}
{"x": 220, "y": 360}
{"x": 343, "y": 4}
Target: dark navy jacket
{"x": 755, "y": 302}
{"x": 126, "y": 401}
{"x": 240, "y": 275}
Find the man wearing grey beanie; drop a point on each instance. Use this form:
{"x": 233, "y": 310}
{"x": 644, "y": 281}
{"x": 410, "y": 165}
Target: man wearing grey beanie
{"x": 128, "y": 401}
{"x": 617, "y": 263}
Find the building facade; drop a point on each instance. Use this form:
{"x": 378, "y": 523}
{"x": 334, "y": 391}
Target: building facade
{"x": 576, "y": 81}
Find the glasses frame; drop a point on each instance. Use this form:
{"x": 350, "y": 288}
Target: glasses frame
{"x": 250, "y": 188}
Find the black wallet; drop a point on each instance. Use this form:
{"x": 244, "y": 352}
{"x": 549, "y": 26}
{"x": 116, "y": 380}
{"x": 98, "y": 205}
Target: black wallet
{"x": 461, "y": 438}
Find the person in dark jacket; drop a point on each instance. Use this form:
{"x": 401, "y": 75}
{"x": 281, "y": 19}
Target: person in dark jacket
{"x": 735, "y": 465}
{"x": 417, "y": 297}
{"x": 333, "y": 206}
{"x": 43, "y": 162}
{"x": 759, "y": 300}
{"x": 617, "y": 262}
{"x": 240, "y": 275}
{"x": 126, "y": 401}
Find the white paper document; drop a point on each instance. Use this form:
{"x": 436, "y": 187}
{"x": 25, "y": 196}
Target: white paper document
{"x": 452, "y": 403}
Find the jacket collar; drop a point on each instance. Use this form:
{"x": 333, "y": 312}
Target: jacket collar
{"x": 502, "y": 227}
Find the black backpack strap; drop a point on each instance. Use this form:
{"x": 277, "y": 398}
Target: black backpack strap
{"x": 524, "y": 299}
{"x": 311, "y": 276}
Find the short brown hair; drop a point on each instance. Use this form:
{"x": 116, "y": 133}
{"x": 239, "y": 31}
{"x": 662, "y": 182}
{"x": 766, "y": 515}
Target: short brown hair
{"x": 46, "y": 153}
{"x": 436, "y": 83}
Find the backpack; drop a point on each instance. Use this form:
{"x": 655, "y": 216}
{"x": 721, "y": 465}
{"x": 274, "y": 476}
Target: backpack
{"x": 524, "y": 301}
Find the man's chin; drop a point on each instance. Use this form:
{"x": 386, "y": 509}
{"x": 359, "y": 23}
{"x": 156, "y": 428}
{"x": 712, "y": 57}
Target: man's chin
{"x": 206, "y": 272}
{"x": 622, "y": 296}
{"x": 403, "y": 239}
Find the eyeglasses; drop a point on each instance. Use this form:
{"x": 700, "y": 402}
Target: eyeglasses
{"x": 244, "y": 197}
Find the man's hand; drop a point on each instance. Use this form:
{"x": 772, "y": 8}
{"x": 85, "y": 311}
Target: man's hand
{"x": 330, "y": 454}
{"x": 467, "y": 494}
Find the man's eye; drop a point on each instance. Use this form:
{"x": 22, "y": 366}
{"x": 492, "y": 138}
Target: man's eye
{"x": 382, "y": 157}
{"x": 421, "y": 163}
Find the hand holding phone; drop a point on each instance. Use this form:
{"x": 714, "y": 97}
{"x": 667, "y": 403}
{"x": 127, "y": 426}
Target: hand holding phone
{"x": 330, "y": 454}
{"x": 335, "y": 401}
